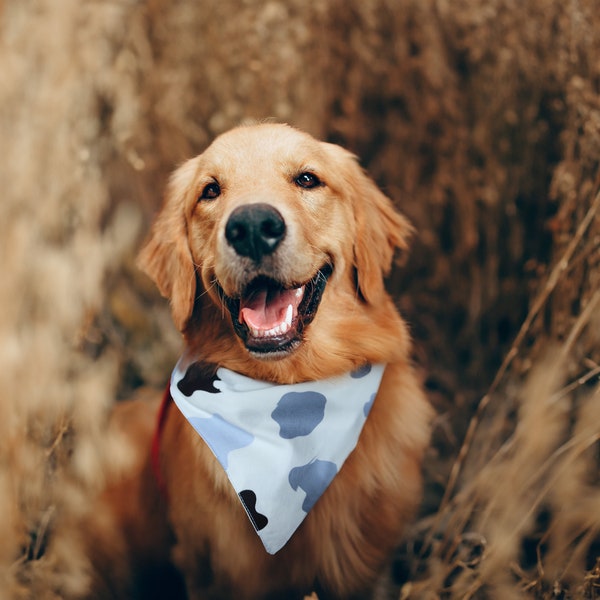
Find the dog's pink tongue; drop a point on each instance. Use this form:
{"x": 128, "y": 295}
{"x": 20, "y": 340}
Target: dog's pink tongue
{"x": 267, "y": 308}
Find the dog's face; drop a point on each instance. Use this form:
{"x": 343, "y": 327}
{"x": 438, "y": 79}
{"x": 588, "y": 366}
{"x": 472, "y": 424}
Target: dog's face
{"x": 269, "y": 224}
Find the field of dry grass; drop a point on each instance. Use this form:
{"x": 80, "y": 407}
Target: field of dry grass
{"x": 480, "y": 118}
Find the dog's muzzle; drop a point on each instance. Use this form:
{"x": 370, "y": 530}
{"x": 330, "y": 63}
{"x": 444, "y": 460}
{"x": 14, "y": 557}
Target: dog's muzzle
{"x": 269, "y": 315}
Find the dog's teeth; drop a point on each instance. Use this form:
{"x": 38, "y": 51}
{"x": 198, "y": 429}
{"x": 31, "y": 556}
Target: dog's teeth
{"x": 280, "y": 329}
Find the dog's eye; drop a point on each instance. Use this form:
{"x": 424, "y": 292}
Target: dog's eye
{"x": 307, "y": 180}
{"x": 210, "y": 191}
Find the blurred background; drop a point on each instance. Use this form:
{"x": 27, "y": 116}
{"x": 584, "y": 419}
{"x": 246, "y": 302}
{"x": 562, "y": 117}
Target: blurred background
{"x": 479, "y": 118}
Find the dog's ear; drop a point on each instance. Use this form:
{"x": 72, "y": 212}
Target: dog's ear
{"x": 166, "y": 257}
{"x": 380, "y": 229}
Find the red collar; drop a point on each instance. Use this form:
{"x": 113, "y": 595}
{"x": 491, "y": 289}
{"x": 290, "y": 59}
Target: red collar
{"x": 199, "y": 376}
{"x": 155, "y": 451}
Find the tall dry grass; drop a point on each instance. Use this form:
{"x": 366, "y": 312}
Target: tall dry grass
{"x": 520, "y": 516}
{"x": 524, "y": 523}
{"x": 59, "y": 245}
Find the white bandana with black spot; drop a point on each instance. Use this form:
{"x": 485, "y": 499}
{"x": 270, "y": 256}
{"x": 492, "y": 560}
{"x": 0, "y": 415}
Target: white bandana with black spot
{"x": 280, "y": 445}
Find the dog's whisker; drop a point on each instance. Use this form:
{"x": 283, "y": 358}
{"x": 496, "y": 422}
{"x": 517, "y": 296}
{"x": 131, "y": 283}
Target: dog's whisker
{"x": 222, "y": 300}
{"x": 207, "y": 290}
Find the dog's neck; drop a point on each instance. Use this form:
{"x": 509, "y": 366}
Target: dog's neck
{"x": 210, "y": 335}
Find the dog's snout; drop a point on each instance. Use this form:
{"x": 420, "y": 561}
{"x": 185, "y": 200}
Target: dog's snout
{"x": 255, "y": 230}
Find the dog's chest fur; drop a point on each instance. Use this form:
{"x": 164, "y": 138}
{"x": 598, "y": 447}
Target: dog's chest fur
{"x": 219, "y": 550}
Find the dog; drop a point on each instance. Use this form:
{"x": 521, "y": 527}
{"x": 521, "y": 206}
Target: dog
{"x": 272, "y": 248}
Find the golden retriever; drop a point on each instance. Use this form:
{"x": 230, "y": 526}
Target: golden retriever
{"x": 272, "y": 248}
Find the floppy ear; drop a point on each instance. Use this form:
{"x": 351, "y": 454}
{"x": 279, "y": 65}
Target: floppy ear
{"x": 166, "y": 257}
{"x": 379, "y": 231}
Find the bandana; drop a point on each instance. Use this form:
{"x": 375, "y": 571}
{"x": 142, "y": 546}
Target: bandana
{"x": 280, "y": 445}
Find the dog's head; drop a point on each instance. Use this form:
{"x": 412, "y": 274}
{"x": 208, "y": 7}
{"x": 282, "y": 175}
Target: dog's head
{"x": 270, "y": 225}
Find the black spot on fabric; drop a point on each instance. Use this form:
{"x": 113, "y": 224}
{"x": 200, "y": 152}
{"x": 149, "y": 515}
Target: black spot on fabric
{"x": 248, "y": 498}
{"x": 199, "y": 376}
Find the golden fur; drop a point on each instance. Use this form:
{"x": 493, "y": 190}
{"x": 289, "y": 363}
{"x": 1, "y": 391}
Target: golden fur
{"x": 347, "y": 538}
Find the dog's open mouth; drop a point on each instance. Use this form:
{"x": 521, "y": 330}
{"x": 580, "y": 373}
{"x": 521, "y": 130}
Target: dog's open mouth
{"x": 270, "y": 318}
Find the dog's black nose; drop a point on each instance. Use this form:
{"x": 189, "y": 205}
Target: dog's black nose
{"x": 255, "y": 230}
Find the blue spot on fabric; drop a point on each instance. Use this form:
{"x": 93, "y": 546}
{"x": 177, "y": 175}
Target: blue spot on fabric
{"x": 369, "y": 405}
{"x": 361, "y": 372}
{"x": 298, "y": 413}
{"x": 313, "y": 478}
{"x": 221, "y": 436}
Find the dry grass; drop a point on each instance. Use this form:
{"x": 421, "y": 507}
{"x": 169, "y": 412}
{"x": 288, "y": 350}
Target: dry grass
{"x": 480, "y": 118}
{"x": 525, "y": 521}
{"x": 58, "y": 249}
{"x": 520, "y": 517}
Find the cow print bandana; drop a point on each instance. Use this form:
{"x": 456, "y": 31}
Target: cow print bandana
{"x": 280, "y": 445}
